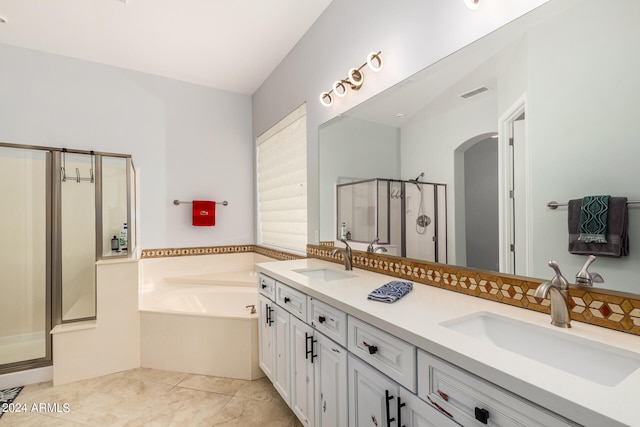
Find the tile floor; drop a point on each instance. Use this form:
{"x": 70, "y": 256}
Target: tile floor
{"x": 150, "y": 397}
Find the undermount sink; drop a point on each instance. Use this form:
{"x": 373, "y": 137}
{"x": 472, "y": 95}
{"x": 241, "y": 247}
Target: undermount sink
{"x": 591, "y": 360}
{"x": 326, "y": 274}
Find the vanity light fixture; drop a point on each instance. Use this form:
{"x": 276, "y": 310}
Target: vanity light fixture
{"x": 354, "y": 79}
{"x": 472, "y": 4}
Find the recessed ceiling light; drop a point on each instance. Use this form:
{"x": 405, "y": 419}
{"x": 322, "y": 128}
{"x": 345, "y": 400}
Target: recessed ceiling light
{"x": 3, "y": 20}
{"x": 400, "y": 115}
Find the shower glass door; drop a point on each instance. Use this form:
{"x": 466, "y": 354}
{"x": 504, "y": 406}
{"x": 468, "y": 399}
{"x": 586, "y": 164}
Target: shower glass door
{"x": 24, "y": 256}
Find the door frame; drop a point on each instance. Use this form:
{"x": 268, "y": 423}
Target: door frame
{"x": 505, "y": 176}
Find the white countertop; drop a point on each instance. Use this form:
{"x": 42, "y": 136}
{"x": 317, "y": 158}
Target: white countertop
{"x": 416, "y": 318}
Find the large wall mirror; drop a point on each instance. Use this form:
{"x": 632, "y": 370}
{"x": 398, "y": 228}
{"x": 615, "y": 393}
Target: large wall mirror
{"x": 562, "y": 83}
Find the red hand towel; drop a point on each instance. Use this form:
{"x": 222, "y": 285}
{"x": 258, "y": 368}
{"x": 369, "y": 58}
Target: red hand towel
{"x": 204, "y": 213}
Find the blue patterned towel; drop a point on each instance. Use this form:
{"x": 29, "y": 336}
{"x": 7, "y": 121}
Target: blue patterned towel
{"x": 593, "y": 219}
{"x": 391, "y": 292}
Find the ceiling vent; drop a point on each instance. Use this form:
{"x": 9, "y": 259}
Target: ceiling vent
{"x": 474, "y": 92}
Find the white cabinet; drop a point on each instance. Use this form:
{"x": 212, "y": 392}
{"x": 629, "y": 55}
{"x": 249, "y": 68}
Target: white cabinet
{"x": 274, "y": 349}
{"x": 302, "y": 372}
{"x": 266, "y": 336}
{"x": 472, "y": 401}
{"x": 330, "y": 371}
{"x": 292, "y": 300}
{"x": 413, "y": 412}
{"x": 308, "y": 369}
{"x": 328, "y": 320}
{"x": 318, "y": 377}
{"x": 376, "y": 400}
{"x": 371, "y": 396}
{"x": 282, "y": 368}
{"x": 391, "y": 355}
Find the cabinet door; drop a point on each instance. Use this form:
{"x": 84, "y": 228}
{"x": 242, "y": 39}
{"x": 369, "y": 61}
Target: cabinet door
{"x": 372, "y": 396}
{"x": 266, "y": 334}
{"x": 302, "y": 379}
{"x": 282, "y": 368}
{"x": 330, "y": 368}
{"x": 414, "y": 412}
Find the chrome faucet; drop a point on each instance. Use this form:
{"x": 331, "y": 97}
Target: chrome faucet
{"x": 584, "y": 277}
{"x": 558, "y": 292}
{"x": 346, "y": 254}
{"x": 372, "y": 249}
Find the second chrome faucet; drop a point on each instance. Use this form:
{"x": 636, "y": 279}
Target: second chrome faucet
{"x": 557, "y": 290}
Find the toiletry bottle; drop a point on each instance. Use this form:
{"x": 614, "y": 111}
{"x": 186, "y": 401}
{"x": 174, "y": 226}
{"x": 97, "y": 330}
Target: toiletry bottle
{"x": 343, "y": 231}
{"x": 123, "y": 237}
{"x": 115, "y": 244}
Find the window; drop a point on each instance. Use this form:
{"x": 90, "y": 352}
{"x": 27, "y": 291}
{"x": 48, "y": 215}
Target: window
{"x": 281, "y": 162}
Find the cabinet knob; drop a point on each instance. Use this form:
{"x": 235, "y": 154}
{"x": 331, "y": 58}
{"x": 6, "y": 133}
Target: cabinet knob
{"x": 372, "y": 348}
{"x": 322, "y": 319}
{"x": 263, "y": 286}
{"x": 286, "y": 299}
{"x": 482, "y": 415}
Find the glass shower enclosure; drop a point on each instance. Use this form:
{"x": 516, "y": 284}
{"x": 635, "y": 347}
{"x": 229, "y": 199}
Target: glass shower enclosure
{"x": 408, "y": 218}
{"x": 59, "y": 214}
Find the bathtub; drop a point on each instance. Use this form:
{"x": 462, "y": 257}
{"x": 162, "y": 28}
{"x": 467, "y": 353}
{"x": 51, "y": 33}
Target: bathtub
{"x": 201, "y": 324}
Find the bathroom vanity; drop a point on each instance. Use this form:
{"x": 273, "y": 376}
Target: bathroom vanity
{"x": 433, "y": 358}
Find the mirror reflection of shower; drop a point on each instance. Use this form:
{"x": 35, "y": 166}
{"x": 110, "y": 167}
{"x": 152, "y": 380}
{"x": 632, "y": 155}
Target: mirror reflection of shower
{"x": 422, "y": 220}
{"x": 408, "y": 217}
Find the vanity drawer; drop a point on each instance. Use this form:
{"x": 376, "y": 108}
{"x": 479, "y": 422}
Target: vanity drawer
{"x": 328, "y": 320}
{"x": 472, "y": 401}
{"x": 383, "y": 351}
{"x": 292, "y": 300}
{"x": 266, "y": 285}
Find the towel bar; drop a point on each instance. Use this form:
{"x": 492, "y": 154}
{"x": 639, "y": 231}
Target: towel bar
{"x": 554, "y": 205}
{"x": 177, "y": 202}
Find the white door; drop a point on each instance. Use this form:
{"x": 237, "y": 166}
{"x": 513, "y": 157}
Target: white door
{"x": 415, "y": 412}
{"x": 302, "y": 361}
{"x": 266, "y": 334}
{"x": 372, "y": 396}
{"x": 282, "y": 374}
{"x": 330, "y": 368}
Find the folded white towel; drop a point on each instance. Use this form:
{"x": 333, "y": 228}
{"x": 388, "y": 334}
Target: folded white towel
{"x": 391, "y": 292}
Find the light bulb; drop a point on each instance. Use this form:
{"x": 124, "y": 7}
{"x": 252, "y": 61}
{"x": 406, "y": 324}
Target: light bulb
{"x": 355, "y": 78}
{"x": 326, "y": 99}
{"x": 339, "y": 88}
{"x": 372, "y": 59}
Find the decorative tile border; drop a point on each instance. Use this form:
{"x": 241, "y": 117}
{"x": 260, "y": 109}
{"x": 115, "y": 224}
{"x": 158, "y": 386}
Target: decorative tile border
{"x": 217, "y": 250}
{"x": 608, "y": 309}
{"x": 203, "y": 250}
{"x": 275, "y": 254}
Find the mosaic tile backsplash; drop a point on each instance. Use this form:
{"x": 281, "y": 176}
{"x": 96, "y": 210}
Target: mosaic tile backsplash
{"x": 607, "y": 309}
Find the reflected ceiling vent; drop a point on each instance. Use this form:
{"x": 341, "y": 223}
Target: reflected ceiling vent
{"x": 474, "y": 92}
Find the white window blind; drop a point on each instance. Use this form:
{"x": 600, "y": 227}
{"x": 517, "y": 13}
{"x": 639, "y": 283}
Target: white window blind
{"x": 281, "y": 162}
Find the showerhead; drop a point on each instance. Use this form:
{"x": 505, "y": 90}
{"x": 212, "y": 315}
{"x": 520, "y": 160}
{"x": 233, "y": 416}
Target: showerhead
{"x": 415, "y": 181}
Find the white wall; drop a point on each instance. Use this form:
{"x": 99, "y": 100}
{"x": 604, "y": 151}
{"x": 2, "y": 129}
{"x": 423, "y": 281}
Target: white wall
{"x": 187, "y": 141}
{"x": 583, "y": 129}
{"x": 411, "y": 34}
